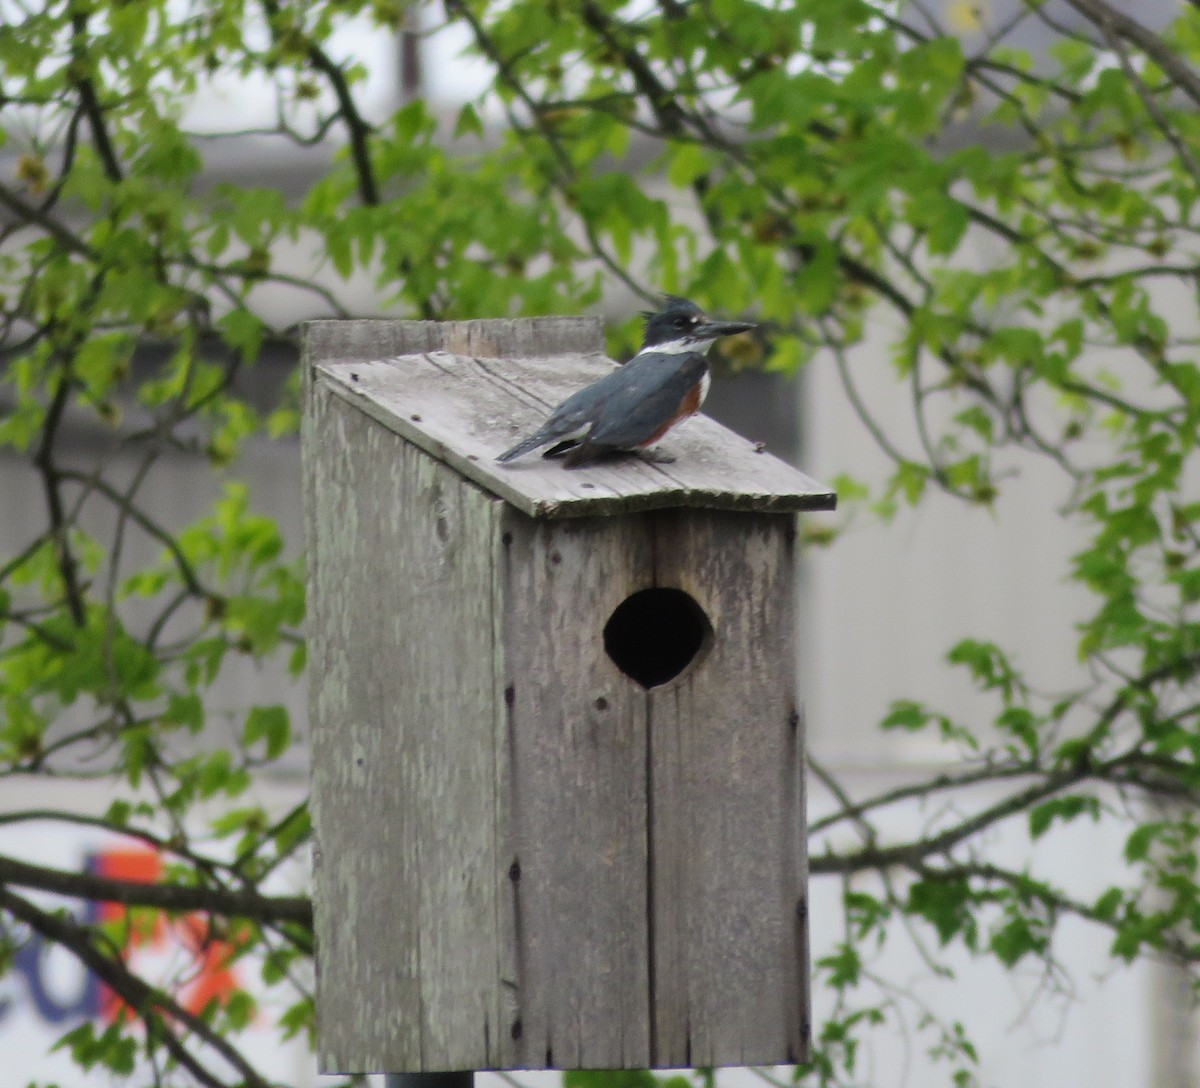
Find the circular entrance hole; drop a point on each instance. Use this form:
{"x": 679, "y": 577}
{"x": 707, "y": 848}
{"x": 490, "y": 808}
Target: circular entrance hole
{"x": 654, "y": 634}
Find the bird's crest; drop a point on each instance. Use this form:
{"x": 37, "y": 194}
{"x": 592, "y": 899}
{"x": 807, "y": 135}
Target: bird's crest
{"x": 669, "y": 302}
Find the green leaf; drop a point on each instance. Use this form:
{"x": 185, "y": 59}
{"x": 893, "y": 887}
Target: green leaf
{"x": 1017, "y": 938}
{"x": 1107, "y": 904}
{"x": 468, "y": 123}
{"x": 843, "y": 967}
{"x": 240, "y": 1010}
{"x": 948, "y": 905}
{"x": 242, "y": 330}
{"x": 186, "y": 710}
{"x": 110, "y": 1048}
{"x": 988, "y": 665}
{"x": 300, "y": 1017}
{"x": 906, "y": 714}
{"x": 1142, "y": 839}
{"x": 270, "y": 724}
{"x": 609, "y": 1078}
{"x": 1064, "y": 809}
{"x": 687, "y": 163}
{"x": 816, "y": 283}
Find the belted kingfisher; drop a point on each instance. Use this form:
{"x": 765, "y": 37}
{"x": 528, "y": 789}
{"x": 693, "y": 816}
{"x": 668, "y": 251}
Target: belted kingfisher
{"x": 635, "y": 405}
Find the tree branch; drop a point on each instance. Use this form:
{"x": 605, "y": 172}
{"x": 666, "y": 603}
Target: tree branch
{"x": 90, "y": 102}
{"x": 1048, "y": 896}
{"x": 172, "y": 897}
{"x": 128, "y": 508}
{"x": 155, "y": 1006}
{"x": 31, "y": 215}
{"x": 357, "y": 128}
{"x": 51, "y": 486}
{"x": 912, "y": 853}
{"x": 1160, "y": 119}
{"x": 1106, "y": 16}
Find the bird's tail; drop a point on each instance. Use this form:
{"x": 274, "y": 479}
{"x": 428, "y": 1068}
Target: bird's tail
{"x": 524, "y": 446}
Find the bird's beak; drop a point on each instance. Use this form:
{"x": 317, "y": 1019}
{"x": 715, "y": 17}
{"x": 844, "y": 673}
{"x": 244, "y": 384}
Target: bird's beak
{"x": 710, "y": 330}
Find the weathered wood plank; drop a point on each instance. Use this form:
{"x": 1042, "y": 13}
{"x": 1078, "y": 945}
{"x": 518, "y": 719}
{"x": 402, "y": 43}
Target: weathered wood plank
{"x": 466, "y": 410}
{"x": 408, "y": 918}
{"x": 415, "y": 954}
{"x": 801, "y": 932}
{"x": 494, "y": 337}
{"x": 578, "y": 737}
{"x": 726, "y": 853}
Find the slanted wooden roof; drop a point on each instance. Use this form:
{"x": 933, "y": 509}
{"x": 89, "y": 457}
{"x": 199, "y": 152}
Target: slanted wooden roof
{"x": 465, "y": 391}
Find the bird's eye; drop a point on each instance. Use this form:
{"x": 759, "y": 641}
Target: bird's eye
{"x": 680, "y": 322}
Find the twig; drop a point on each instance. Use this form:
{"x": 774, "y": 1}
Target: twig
{"x": 154, "y": 1006}
{"x": 172, "y": 897}
{"x": 1106, "y": 16}
{"x": 51, "y": 486}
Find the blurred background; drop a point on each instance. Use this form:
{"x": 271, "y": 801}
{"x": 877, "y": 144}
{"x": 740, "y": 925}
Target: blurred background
{"x": 880, "y": 608}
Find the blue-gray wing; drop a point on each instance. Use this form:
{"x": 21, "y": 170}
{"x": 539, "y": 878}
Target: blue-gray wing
{"x": 570, "y": 418}
{"x": 623, "y": 410}
{"x": 641, "y": 410}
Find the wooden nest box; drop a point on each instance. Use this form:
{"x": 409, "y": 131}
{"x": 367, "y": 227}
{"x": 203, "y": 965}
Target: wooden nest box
{"x": 556, "y": 743}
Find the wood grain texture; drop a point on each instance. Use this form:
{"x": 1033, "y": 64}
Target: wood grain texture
{"x": 466, "y": 410}
{"x": 801, "y": 932}
{"x": 522, "y": 858}
{"x": 404, "y": 762}
{"x": 327, "y": 341}
{"x": 578, "y": 740}
{"x": 727, "y": 853}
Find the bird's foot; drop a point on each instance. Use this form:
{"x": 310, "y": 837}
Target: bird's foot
{"x": 657, "y": 456}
